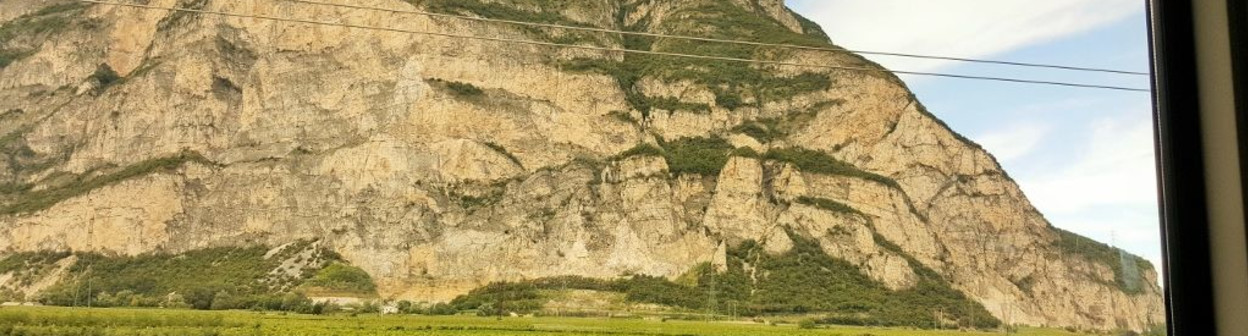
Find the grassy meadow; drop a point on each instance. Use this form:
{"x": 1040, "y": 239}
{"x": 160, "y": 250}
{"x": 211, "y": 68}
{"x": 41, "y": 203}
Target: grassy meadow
{"x": 82, "y": 321}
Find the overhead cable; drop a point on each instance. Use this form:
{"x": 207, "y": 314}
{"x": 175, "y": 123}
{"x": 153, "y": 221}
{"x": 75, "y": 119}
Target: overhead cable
{"x": 631, "y": 51}
{"x": 728, "y": 41}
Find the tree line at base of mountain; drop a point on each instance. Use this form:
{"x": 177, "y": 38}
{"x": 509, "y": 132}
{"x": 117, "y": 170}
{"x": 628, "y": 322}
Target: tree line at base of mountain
{"x": 804, "y": 280}
{"x": 208, "y": 279}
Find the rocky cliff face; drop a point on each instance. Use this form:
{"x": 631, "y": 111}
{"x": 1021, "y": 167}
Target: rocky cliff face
{"x": 441, "y": 164}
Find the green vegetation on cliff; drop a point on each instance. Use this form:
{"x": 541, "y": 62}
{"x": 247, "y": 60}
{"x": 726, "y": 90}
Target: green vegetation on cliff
{"x": 830, "y": 205}
{"x": 734, "y": 84}
{"x": 503, "y": 150}
{"x": 45, "y": 20}
{"x": 702, "y": 156}
{"x": 708, "y": 156}
{"x": 804, "y": 280}
{"x": 644, "y": 149}
{"x": 48, "y": 20}
{"x": 763, "y": 130}
{"x": 1126, "y": 267}
{"x": 33, "y": 201}
{"x": 9, "y": 56}
{"x": 104, "y": 76}
{"x": 459, "y": 89}
{"x": 813, "y": 161}
{"x": 767, "y": 130}
{"x": 537, "y": 11}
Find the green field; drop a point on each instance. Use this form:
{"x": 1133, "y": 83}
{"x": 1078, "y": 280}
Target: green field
{"x": 80, "y": 321}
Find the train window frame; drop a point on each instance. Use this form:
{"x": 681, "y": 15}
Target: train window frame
{"x": 1237, "y": 12}
{"x": 1187, "y": 269}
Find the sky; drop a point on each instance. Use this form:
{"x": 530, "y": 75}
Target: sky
{"x": 1084, "y": 157}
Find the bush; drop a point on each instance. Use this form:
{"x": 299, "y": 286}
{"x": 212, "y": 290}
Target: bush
{"x": 746, "y": 152}
{"x": 368, "y": 307}
{"x": 339, "y": 277}
{"x": 104, "y": 76}
{"x": 830, "y": 205}
{"x": 702, "y": 156}
{"x": 644, "y": 149}
{"x": 730, "y": 101}
{"x": 814, "y": 161}
{"x": 459, "y": 89}
{"x": 464, "y": 89}
{"x": 406, "y": 307}
{"x": 9, "y": 56}
{"x": 806, "y": 324}
{"x": 224, "y": 300}
{"x": 489, "y": 309}
{"x": 441, "y": 309}
{"x": 758, "y": 131}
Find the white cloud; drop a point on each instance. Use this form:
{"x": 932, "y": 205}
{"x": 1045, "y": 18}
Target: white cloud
{"x": 1014, "y": 142}
{"x": 1116, "y": 168}
{"x": 1109, "y": 192}
{"x": 965, "y": 28}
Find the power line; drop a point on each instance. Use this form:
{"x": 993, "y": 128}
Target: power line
{"x": 728, "y": 41}
{"x": 643, "y": 52}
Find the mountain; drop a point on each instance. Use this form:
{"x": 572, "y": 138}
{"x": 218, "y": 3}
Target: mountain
{"x": 166, "y": 149}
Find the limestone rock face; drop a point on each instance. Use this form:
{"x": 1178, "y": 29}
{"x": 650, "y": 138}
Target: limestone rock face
{"x": 355, "y": 138}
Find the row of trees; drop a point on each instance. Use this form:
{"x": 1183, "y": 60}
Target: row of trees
{"x": 208, "y": 279}
{"x": 201, "y": 299}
